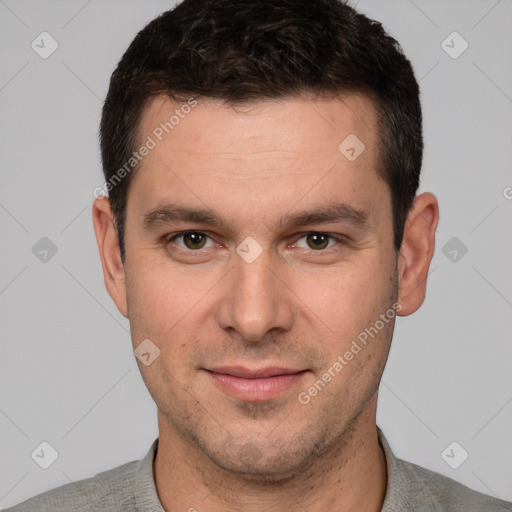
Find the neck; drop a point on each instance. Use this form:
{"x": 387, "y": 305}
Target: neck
{"x": 351, "y": 477}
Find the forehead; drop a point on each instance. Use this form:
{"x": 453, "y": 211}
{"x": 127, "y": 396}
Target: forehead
{"x": 311, "y": 124}
{"x": 275, "y": 152}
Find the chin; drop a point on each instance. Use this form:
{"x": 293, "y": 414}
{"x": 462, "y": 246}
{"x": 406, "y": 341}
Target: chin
{"x": 263, "y": 462}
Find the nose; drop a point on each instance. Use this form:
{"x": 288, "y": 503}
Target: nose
{"x": 255, "y": 299}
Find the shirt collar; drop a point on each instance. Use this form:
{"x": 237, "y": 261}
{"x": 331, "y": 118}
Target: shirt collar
{"x": 146, "y": 497}
{"x": 398, "y": 483}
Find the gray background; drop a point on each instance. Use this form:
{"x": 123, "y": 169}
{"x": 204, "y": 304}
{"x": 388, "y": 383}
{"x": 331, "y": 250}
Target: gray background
{"x": 67, "y": 372}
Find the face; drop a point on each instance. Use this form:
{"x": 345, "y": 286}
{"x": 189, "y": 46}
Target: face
{"x": 259, "y": 252}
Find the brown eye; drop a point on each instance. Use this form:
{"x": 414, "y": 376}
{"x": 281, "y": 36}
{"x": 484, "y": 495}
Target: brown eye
{"x": 194, "y": 240}
{"x": 317, "y": 240}
{"x": 190, "y": 247}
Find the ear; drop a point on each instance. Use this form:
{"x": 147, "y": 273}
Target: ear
{"x": 110, "y": 253}
{"x": 416, "y": 252}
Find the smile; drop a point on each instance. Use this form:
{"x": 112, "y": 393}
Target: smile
{"x": 255, "y": 385}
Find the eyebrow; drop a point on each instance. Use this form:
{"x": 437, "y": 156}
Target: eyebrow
{"x": 329, "y": 213}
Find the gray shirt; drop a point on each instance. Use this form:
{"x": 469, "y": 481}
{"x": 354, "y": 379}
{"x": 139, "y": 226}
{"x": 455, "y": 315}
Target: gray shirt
{"x": 131, "y": 488}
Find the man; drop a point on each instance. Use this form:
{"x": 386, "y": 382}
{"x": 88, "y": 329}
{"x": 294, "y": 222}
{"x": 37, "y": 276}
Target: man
{"x": 261, "y": 233}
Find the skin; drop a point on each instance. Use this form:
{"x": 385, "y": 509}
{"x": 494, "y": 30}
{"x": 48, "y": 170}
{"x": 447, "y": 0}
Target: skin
{"x": 295, "y": 306}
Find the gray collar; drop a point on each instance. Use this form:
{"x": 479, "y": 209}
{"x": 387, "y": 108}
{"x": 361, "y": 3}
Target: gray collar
{"x": 146, "y": 497}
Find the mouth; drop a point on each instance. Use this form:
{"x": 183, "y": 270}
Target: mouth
{"x": 255, "y": 385}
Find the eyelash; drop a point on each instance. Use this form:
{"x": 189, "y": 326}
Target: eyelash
{"x": 340, "y": 239}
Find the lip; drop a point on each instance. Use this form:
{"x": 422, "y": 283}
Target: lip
{"x": 259, "y": 373}
{"x": 255, "y": 385}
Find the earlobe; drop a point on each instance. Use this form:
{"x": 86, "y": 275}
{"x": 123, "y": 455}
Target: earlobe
{"x": 416, "y": 252}
{"x": 108, "y": 246}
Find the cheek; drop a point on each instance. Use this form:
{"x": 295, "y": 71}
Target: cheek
{"x": 345, "y": 298}
{"x": 162, "y": 307}
{"x": 357, "y": 340}
{"x": 151, "y": 303}
{"x": 160, "y": 296}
